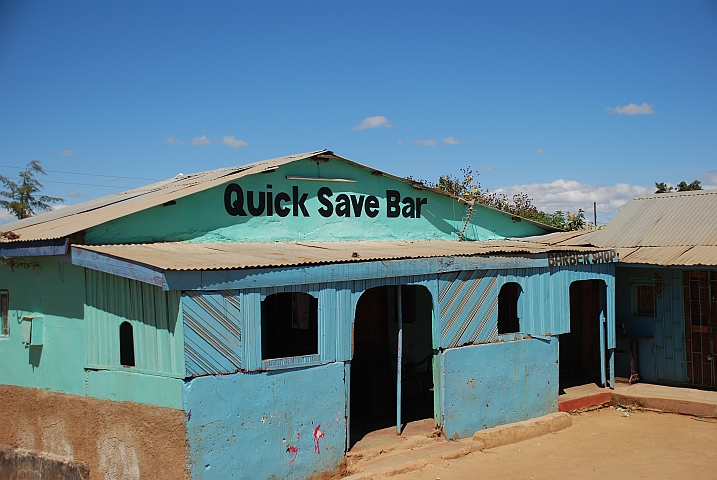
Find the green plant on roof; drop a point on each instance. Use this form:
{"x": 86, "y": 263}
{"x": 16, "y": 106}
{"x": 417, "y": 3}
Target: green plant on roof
{"x": 520, "y": 205}
{"x": 23, "y": 197}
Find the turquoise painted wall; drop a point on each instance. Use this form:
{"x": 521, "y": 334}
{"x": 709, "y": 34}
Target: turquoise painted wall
{"x": 286, "y": 425}
{"x": 55, "y": 290}
{"x": 497, "y": 383}
{"x": 202, "y": 217}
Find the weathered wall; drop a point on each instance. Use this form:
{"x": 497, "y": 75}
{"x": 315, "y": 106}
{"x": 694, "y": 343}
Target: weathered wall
{"x": 56, "y": 291}
{"x": 493, "y": 384}
{"x": 202, "y": 217}
{"x": 468, "y": 301}
{"x": 662, "y": 357}
{"x": 288, "y": 424}
{"x": 119, "y": 440}
{"x": 20, "y": 464}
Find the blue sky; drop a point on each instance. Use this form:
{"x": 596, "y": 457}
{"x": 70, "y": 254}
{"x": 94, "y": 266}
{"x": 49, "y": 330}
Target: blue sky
{"x": 571, "y": 102}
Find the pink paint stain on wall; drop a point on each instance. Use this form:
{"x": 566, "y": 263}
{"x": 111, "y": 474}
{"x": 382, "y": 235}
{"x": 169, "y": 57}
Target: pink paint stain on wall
{"x": 318, "y": 435}
{"x": 294, "y": 449}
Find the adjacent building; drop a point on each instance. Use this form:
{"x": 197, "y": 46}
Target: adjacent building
{"x": 666, "y": 286}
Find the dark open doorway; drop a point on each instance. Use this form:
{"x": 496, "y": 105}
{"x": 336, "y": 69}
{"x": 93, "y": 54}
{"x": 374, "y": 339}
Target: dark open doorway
{"x": 580, "y": 362}
{"x": 373, "y": 366}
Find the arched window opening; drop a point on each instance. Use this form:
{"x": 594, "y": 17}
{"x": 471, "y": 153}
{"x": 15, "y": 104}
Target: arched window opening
{"x": 126, "y": 344}
{"x": 289, "y": 325}
{"x": 508, "y": 321}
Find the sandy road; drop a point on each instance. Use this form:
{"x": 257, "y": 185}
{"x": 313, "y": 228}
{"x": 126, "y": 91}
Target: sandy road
{"x": 600, "y": 444}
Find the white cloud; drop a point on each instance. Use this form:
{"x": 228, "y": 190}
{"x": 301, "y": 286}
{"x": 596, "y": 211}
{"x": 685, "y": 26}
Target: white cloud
{"x": 68, "y": 153}
{"x": 74, "y": 194}
{"x": 451, "y": 141}
{"x": 540, "y": 151}
{"x": 709, "y": 179}
{"x": 203, "y": 140}
{"x": 632, "y": 109}
{"x": 425, "y": 143}
{"x": 6, "y": 217}
{"x": 379, "y": 121}
{"x": 173, "y": 140}
{"x": 570, "y": 195}
{"x": 232, "y": 142}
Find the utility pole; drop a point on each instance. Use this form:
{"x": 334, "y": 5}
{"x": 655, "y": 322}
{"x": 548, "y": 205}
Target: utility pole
{"x": 595, "y": 214}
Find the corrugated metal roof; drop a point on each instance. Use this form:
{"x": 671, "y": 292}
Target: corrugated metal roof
{"x": 220, "y": 256}
{"x": 661, "y": 229}
{"x": 575, "y": 237}
{"x": 68, "y": 220}
{"x": 663, "y": 220}
{"x": 65, "y": 221}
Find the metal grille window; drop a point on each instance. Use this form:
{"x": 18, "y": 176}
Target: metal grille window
{"x": 700, "y": 304}
{"x": 4, "y": 308}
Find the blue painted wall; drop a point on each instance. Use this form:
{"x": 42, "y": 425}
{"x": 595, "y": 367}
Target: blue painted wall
{"x": 244, "y": 425}
{"x": 663, "y": 357}
{"x": 497, "y": 383}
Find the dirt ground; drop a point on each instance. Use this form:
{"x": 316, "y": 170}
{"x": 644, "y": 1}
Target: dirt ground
{"x": 600, "y": 444}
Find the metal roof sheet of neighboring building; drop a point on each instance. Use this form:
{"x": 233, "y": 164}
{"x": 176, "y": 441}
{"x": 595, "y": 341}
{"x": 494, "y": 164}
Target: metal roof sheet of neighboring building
{"x": 663, "y": 220}
{"x": 661, "y": 229}
{"x": 66, "y": 221}
{"x": 220, "y": 256}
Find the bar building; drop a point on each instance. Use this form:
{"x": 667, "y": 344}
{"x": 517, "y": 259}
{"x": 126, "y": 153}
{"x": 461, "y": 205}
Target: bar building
{"x": 258, "y": 320}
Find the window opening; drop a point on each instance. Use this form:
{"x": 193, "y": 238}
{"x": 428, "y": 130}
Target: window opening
{"x": 645, "y": 300}
{"x": 508, "y": 321}
{"x": 4, "y": 308}
{"x": 126, "y": 345}
{"x": 289, "y": 325}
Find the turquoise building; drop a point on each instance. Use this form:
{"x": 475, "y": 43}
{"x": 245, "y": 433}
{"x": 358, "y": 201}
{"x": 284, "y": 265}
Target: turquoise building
{"x": 258, "y": 320}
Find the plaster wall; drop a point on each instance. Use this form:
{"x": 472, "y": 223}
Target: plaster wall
{"x": 287, "y": 424}
{"x": 55, "y": 291}
{"x": 202, "y": 217}
{"x": 118, "y": 440}
{"x": 497, "y": 383}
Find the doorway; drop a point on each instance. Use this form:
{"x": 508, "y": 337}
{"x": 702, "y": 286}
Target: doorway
{"x": 373, "y": 395}
{"x": 700, "y": 304}
{"x": 580, "y": 362}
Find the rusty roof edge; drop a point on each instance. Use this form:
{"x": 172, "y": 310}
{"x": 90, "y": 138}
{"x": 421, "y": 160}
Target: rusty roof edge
{"x": 496, "y": 249}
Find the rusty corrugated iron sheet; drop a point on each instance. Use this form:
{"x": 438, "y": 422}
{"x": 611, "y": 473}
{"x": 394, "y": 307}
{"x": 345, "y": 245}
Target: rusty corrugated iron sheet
{"x": 220, "y": 256}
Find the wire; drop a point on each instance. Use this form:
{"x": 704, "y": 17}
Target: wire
{"x": 86, "y": 184}
{"x": 87, "y": 174}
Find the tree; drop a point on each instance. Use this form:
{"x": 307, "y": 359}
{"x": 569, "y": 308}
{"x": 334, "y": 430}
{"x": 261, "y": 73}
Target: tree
{"x": 687, "y": 187}
{"x": 521, "y": 204}
{"x": 23, "y": 199}
{"x": 681, "y": 187}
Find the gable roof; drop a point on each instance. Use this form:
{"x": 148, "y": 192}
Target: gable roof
{"x": 66, "y": 221}
{"x": 660, "y": 229}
